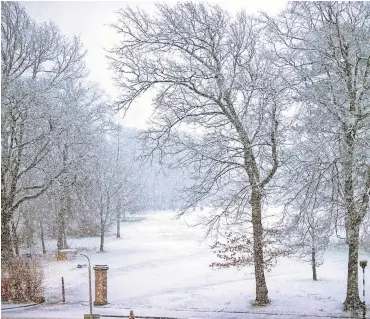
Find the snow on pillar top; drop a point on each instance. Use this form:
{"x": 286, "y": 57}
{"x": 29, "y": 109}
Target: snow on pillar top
{"x": 101, "y": 267}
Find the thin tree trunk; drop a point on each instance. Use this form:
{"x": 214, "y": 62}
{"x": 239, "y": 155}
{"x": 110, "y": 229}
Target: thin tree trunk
{"x": 42, "y": 238}
{"x": 62, "y": 239}
{"x": 60, "y": 230}
{"x": 62, "y": 214}
{"x": 313, "y": 262}
{"x": 259, "y": 272}
{"x": 118, "y": 222}
{"x": 15, "y": 240}
{"x": 28, "y": 232}
{"x": 60, "y": 217}
{"x": 101, "y": 240}
{"x": 65, "y": 244}
{"x": 101, "y": 232}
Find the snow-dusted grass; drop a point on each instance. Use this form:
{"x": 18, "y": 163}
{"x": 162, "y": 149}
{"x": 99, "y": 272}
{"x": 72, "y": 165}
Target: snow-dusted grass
{"x": 160, "y": 266}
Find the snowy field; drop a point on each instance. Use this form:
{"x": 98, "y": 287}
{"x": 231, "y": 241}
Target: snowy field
{"x": 160, "y": 267}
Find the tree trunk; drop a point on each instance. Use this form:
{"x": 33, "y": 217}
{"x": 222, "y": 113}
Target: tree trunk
{"x": 65, "y": 244}
{"x": 60, "y": 230}
{"x": 313, "y": 262}
{"x": 259, "y": 272}
{"x": 15, "y": 240}
{"x": 42, "y": 238}
{"x": 101, "y": 240}
{"x": 62, "y": 238}
{"x": 353, "y": 302}
{"x": 6, "y": 242}
{"x": 28, "y": 232}
{"x": 119, "y": 223}
{"x": 61, "y": 221}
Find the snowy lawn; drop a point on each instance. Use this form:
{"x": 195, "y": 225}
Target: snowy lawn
{"x": 160, "y": 266}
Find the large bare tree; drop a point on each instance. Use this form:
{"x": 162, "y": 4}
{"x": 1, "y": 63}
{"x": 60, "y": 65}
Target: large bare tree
{"x": 37, "y": 62}
{"x": 327, "y": 47}
{"x": 217, "y": 109}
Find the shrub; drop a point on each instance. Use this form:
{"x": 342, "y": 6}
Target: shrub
{"x": 21, "y": 280}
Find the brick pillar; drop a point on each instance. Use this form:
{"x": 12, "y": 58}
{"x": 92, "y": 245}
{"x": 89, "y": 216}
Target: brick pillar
{"x": 100, "y": 285}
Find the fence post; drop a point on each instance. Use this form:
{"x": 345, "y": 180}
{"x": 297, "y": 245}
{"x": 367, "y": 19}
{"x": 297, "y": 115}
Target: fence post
{"x": 63, "y": 292}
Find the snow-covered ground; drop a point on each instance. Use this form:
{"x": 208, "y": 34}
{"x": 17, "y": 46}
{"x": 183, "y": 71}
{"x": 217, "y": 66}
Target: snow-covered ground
{"x": 160, "y": 267}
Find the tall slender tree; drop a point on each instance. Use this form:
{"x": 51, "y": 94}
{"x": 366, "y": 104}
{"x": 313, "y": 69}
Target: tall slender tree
{"x": 326, "y": 45}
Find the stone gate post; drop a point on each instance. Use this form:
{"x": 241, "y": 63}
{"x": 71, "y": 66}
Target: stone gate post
{"x": 101, "y": 283}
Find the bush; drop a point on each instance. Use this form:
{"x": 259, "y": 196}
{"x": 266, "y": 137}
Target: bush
{"x": 21, "y": 280}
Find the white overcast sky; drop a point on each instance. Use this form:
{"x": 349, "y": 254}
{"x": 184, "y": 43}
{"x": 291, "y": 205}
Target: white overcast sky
{"x": 90, "y": 19}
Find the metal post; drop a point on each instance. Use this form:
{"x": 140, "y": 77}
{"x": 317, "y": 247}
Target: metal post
{"x": 363, "y": 292}
{"x": 363, "y": 264}
{"x": 63, "y": 291}
{"x": 90, "y": 294}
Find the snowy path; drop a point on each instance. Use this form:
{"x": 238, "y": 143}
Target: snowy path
{"x": 160, "y": 267}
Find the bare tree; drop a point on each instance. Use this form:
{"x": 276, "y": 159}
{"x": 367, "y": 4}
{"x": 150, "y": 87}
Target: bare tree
{"x": 36, "y": 62}
{"x": 83, "y": 120}
{"x": 309, "y": 194}
{"x": 218, "y": 105}
{"x": 109, "y": 186}
{"x": 326, "y": 45}
{"x": 130, "y": 170}
{"x": 310, "y": 223}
